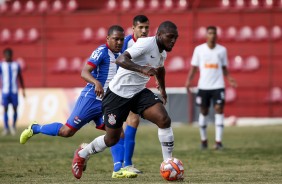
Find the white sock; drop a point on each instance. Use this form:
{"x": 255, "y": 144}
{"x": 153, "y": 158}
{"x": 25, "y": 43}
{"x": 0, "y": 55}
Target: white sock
{"x": 203, "y": 127}
{"x": 166, "y": 139}
{"x": 219, "y": 127}
{"x": 96, "y": 146}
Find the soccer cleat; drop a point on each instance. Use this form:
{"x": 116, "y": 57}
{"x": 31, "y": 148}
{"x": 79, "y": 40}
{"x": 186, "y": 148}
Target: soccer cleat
{"x": 78, "y": 164}
{"x": 27, "y": 133}
{"x": 83, "y": 145}
{"x": 5, "y": 132}
{"x": 122, "y": 173}
{"x": 13, "y": 131}
{"x": 131, "y": 168}
{"x": 204, "y": 145}
{"x": 218, "y": 146}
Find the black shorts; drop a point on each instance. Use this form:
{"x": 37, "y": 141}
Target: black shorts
{"x": 116, "y": 108}
{"x": 204, "y": 97}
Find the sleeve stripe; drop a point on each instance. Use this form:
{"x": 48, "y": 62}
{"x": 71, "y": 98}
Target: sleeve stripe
{"x": 91, "y": 64}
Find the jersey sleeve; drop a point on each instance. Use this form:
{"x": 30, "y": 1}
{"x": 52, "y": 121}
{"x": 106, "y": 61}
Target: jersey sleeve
{"x": 195, "y": 58}
{"x": 139, "y": 48}
{"x": 96, "y": 58}
{"x": 225, "y": 58}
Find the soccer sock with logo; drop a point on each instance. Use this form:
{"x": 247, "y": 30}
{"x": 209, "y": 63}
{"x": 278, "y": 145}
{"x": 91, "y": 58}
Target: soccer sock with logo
{"x": 118, "y": 154}
{"x": 96, "y": 146}
{"x": 6, "y": 121}
{"x": 166, "y": 139}
{"x": 48, "y": 129}
{"x": 203, "y": 127}
{"x": 219, "y": 118}
{"x": 129, "y": 144}
{"x": 15, "y": 119}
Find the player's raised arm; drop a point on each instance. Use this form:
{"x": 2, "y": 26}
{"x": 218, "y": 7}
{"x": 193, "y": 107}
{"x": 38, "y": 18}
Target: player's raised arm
{"x": 124, "y": 61}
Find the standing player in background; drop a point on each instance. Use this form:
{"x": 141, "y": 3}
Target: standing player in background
{"x": 211, "y": 59}
{"x": 127, "y": 92}
{"x": 10, "y": 74}
{"x": 125, "y": 147}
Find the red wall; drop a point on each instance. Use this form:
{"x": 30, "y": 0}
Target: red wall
{"x": 60, "y": 36}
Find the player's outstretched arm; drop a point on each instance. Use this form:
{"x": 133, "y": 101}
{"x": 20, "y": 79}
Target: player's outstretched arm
{"x": 124, "y": 61}
{"x": 160, "y": 77}
{"x": 86, "y": 75}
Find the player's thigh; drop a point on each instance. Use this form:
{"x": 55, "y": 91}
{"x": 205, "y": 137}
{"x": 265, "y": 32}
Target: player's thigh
{"x": 203, "y": 100}
{"x": 14, "y": 99}
{"x": 150, "y": 107}
{"x": 218, "y": 99}
{"x": 158, "y": 115}
{"x": 132, "y": 119}
{"x": 85, "y": 110}
{"x": 115, "y": 109}
{"x": 6, "y": 100}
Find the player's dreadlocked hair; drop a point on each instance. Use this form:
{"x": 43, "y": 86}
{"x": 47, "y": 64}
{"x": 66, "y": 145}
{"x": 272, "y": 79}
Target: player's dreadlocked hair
{"x": 115, "y": 28}
{"x": 166, "y": 25}
{"x": 140, "y": 18}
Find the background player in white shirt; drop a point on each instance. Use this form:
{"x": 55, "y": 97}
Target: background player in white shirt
{"x": 125, "y": 147}
{"x": 10, "y": 72}
{"x": 127, "y": 92}
{"x": 211, "y": 59}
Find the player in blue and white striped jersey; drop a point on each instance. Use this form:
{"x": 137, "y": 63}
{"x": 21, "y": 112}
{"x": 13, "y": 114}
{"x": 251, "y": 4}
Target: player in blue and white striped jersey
{"x": 10, "y": 74}
{"x": 98, "y": 72}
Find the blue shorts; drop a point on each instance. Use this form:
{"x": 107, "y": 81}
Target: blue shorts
{"x": 10, "y": 98}
{"x": 85, "y": 110}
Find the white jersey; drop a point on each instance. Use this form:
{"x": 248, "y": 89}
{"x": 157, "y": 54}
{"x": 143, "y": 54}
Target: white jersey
{"x": 144, "y": 52}
{"x": 210, "y": 63}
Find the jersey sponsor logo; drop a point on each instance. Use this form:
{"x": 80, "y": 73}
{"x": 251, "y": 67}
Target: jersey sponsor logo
{"x": 152, "y": 56}
{"x": 97, "y": 53}
{"x": 112, "y": 119}
{"x": 77, "y": 120}
{"x": 211, "y": 65}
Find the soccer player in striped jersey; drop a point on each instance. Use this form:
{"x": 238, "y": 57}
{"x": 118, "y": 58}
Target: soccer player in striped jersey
{"x": 10, "y": 72}
{"x": 124, "y": 149}
{"x": 97, "y": 72}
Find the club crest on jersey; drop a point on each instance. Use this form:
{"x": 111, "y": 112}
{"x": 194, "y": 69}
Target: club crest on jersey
{"x": 77, "y": 120}
{"x": 112, "y": 119}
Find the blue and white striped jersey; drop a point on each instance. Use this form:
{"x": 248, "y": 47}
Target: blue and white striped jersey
{"x": 103, "y": 61}
{"x": 9, "y": 74}
{"x": 128, "y": 42}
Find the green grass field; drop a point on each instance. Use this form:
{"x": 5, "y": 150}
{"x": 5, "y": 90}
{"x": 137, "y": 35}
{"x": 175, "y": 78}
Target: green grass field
{"x": 251, "y": 155}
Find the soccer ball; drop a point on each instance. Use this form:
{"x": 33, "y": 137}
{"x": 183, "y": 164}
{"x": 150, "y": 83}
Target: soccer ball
{"x": 172, "y": 169}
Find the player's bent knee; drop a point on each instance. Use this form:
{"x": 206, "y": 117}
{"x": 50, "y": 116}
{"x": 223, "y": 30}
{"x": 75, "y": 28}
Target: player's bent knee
{"x": 112, "y": 136}
{"x": 164, "y": 122}
{"x": 66, "y": 132}
{"x": 111, "y": 141}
